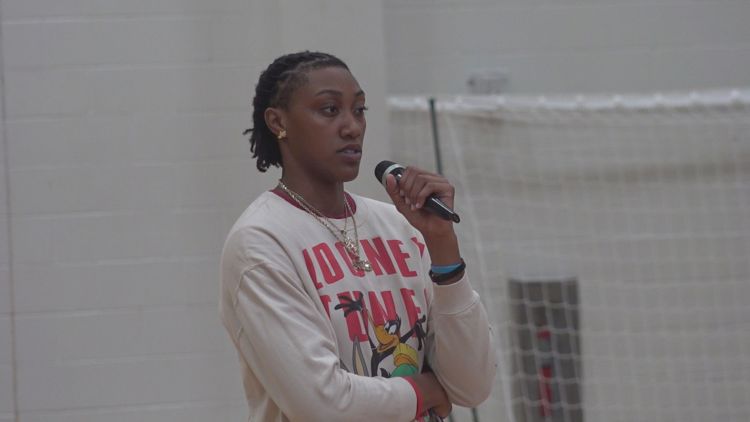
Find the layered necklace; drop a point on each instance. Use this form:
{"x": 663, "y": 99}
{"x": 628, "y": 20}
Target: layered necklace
{"x": 351, "y": 245}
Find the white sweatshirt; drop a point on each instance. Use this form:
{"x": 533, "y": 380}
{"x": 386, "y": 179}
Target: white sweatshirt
{"x": 321, "y": 341}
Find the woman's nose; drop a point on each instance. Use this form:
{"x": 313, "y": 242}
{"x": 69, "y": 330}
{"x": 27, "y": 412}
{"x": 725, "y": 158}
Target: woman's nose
{"x": 352, "y": 127}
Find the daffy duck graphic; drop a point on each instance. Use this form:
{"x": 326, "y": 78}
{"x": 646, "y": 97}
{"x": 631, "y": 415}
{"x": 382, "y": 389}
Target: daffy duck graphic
{"x": 390, "y": 341}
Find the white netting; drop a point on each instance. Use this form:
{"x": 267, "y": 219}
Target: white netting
{"x": 610, "y": 240}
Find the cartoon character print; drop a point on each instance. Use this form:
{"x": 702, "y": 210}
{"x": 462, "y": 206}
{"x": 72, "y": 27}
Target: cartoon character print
{"x": 390, "y": 342}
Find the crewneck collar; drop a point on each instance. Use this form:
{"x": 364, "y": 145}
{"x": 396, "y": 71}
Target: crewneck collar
{"x": 285, "y": 196}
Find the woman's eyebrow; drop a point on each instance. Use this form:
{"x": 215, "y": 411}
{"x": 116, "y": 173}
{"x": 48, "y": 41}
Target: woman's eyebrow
{"x": 359, "y": 93}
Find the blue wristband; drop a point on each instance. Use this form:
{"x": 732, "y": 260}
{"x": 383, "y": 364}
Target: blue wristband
{"x": 444, "y": 269}
{"x": 438, "y": 277}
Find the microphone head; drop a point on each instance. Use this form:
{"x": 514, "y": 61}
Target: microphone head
{"x": 384, "y": 168}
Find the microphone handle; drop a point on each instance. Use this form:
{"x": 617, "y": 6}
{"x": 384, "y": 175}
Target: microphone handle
{"x": 435, "y": 205}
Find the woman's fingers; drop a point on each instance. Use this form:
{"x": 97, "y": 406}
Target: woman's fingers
{"x": 394, "y": 191}
{"x": 417, "y": 185}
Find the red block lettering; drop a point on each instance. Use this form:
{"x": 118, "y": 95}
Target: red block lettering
{"x": 356, "y": 326}
{"x": 378, "y": 256}
{"x": 326, "y": 301}
{"x": 412, "y": 310}
{"x": 419, "y": 244}
{"x": 328, "y": 265}
{"x": 382, "y": 312}
{"x": 311, "y": 269}
{"x": 401, "y": 257}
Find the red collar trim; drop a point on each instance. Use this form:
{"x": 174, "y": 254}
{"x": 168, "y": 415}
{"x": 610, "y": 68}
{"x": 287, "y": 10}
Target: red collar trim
{"x": 285, "y": 196}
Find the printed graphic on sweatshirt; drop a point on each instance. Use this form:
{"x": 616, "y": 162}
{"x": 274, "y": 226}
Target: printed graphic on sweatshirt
{"x": 388, "y": 342}
{"x": 387, "y": 257}
{"x": 386, "y": 326}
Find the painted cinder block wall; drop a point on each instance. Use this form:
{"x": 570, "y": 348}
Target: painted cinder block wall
{"x": 7, "y": 406}
{"x": 126, "y": 167}
{"x": 569, "y": 46}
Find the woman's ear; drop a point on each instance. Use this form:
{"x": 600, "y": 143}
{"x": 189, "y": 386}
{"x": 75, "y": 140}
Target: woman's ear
{"x": 275, "y": 121}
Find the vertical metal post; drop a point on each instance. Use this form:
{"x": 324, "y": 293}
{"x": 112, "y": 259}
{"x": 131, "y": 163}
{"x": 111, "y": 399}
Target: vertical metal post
{"x": 439, "y": 168}
{"x": 435, "y": 136}
{"x": 474, "y": 415}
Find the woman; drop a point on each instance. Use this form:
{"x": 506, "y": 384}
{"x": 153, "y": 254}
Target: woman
{"x": 328, "y": 296}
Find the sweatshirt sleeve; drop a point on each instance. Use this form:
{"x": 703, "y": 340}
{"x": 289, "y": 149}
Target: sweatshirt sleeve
{"x": 289, "y": 346}
{"x": 461, "y": 349}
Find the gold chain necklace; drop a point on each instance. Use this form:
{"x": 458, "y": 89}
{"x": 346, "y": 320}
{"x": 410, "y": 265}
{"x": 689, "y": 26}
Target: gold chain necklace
{"x": 351, "y": 245}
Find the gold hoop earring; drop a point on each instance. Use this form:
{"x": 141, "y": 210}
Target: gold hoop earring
{"x": 281, "y": 134}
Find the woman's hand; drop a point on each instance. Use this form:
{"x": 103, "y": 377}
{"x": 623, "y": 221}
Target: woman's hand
{"x": 433, "y": 394}
{"x": 410, "y": 193}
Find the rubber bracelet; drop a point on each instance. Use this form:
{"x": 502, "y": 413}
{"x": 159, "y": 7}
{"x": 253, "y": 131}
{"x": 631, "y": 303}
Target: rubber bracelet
{"x": 444, "y": 269}
{"x": 439, "y": 278}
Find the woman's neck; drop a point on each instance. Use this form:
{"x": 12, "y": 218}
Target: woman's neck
{"x": 325, "y": 197}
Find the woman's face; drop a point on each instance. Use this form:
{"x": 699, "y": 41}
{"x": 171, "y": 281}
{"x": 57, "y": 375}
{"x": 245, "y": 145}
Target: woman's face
{"x": 325, "y": 124}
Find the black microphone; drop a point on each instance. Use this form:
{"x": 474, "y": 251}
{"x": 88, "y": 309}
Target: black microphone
{"x": 431, "y": 204}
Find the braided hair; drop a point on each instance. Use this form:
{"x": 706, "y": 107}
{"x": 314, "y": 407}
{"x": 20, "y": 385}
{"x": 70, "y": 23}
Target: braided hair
{"x": 274, "y": 89}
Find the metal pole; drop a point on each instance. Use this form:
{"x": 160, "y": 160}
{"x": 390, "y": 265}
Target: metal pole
{"x": 435, "y": 136}
{"x": 439, "y": 168}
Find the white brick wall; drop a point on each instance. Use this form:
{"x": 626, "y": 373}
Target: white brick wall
{"x": 126, "y": 169}
{"x": 7, "y": 406}
{"x": 569, "y": 46}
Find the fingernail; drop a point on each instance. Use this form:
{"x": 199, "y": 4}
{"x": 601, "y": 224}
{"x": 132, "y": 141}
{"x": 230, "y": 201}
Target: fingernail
{"x": 401, "y": 193}
{"x": 407, "y": 200}
{"x": 413, "y": 208}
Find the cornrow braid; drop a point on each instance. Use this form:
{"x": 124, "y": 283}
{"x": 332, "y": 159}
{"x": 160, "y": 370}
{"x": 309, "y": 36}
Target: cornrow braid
{"x": 274, "y": 89}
